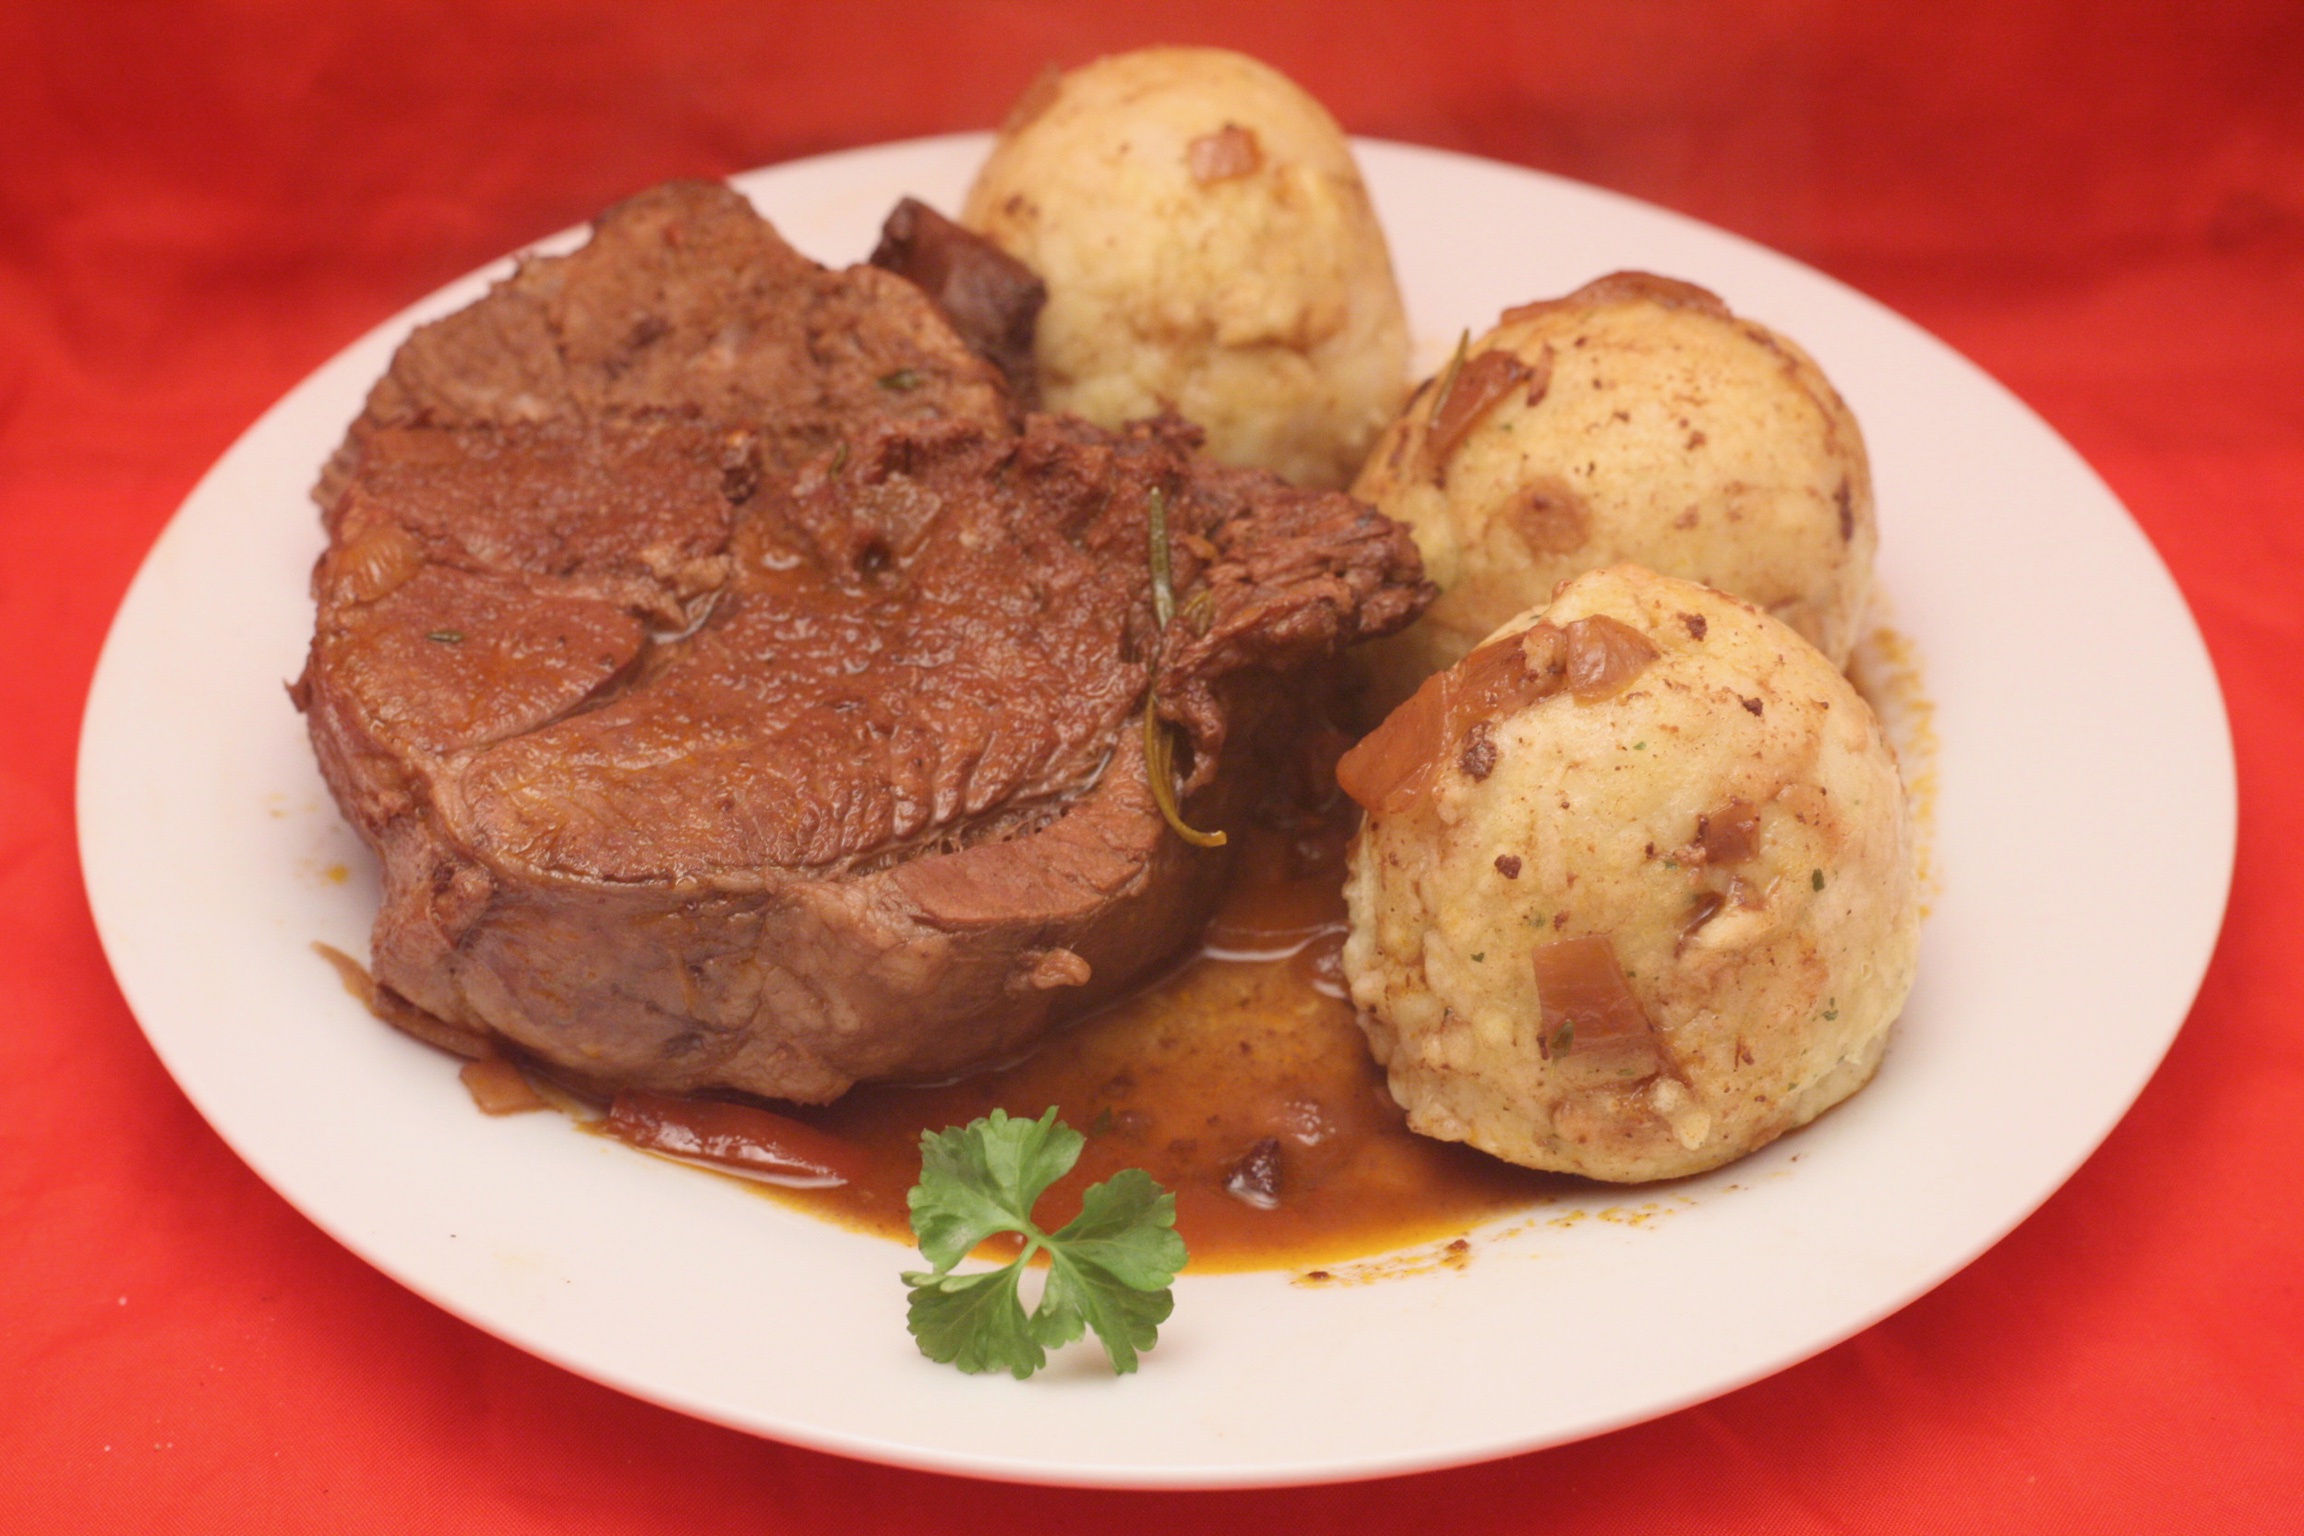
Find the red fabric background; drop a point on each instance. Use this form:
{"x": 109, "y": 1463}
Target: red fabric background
{"x": 2102, "y": 202}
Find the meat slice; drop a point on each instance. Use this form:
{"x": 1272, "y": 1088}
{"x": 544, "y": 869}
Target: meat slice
{"x": 722, "y": 719}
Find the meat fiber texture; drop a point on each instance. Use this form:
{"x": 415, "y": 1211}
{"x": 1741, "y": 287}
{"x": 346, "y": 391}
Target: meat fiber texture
{"x": 738, "y": 696}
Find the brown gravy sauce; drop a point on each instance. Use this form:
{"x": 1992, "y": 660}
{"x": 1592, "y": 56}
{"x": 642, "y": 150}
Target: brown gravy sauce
{"x": 1239, "y": 1081}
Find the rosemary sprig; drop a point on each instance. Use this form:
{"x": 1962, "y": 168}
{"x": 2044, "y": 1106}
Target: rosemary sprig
{"x": 1159, "y": 750}
{"x": 1160, "y": 768}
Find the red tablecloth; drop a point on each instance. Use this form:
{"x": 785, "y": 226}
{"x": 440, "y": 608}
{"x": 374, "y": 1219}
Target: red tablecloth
{"x": 2101, "y": 202}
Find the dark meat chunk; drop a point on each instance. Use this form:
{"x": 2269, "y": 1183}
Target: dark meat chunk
{"x": 993, "y": 299}
{"x": 1255, "y": 1179}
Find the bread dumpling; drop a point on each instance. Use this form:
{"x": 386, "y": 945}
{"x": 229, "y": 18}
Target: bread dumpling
{"x": 1636, "y": 420}
{"x": 1635, "y": 893}
{"x": 1209, "y": 249}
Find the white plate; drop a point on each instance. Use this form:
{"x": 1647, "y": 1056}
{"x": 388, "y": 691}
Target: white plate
{"x": 2084, "y": 832}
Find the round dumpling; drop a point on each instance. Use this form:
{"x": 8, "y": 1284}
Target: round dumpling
{"x": 1634, "y": 420}
{"x": 1635, "y": 894}
{"x": 1208, "y": 249}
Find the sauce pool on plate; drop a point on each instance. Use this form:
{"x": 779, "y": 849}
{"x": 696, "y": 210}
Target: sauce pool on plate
{"x": 1239, "y": 1081}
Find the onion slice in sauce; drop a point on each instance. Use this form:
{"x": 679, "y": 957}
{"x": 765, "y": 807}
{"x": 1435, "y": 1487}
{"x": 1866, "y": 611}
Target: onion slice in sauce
{"x": 499, "y": 1087}
{"x": 402, "y": 1014}
{"x": 735, "y": 1138}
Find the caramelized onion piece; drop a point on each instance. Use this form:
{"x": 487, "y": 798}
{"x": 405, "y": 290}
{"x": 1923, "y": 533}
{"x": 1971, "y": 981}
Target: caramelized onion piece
{"x": 735, "y": 1137}
{"x": 1395, "y": 763}
{"x": 1731, "y": 834}
{"x": 499, "y": 1087}
{"x": 1604, "y": 655}
{"x": 349, "y": 971}
{"x": 1479, "y": 384}
{"x": 1595, "y": 1033}
{"x": 409, "y": 1019}
{"x": 1225, "y": 155}
{"x": 1707, "y": 906}
{"x": 1387, "y": 767}
{"x": 1504, "y": 677}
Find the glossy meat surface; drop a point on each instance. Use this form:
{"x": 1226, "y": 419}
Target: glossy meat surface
{"x": 773, "y": 722}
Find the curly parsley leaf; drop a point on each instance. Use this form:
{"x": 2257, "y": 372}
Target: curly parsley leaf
{"x": 1110, "y": 1267}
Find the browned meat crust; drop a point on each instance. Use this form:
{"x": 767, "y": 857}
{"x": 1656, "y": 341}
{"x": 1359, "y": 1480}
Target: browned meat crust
{"x": 723, "y": 718}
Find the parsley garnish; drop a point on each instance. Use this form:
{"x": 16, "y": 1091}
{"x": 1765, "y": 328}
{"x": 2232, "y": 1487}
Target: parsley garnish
{"x": 1109, "y": 1268}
